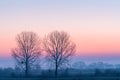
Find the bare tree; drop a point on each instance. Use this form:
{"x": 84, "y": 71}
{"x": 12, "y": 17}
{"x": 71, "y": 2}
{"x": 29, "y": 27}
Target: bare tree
{"x": 59, "y": 48}
{"x": 28, "y": 50}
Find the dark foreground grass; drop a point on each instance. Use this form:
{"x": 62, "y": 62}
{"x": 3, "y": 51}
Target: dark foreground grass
{"x": 75, "y": 78}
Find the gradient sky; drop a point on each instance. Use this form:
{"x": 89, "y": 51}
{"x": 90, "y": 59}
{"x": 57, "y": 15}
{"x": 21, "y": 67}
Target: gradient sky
{"x": 94, "y": 25}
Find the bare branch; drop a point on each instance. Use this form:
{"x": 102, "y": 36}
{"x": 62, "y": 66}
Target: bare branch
{"x": 59, "y": 48}
{"x": 28, "y": 50}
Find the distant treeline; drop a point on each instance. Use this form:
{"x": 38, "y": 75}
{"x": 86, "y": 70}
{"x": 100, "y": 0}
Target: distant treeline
{"x": 17, "y": 73}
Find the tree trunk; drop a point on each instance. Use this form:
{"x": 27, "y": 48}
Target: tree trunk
{"x": 56, "y": 70}
{"x": 26, "y": 68}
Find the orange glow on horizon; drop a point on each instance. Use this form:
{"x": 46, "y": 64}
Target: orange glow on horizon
{"x": 98, "y": 44}
{"x": 85, "y": 45}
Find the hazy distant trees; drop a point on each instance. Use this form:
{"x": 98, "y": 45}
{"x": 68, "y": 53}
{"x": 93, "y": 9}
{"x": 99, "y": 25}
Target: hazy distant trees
{"x": 79, "y": 65}
{"x": 59, "y": 48}
{"x": 27, "y": 51}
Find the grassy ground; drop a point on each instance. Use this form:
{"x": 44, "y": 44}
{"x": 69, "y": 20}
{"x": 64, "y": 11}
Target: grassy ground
{"x": 82, "y": 78}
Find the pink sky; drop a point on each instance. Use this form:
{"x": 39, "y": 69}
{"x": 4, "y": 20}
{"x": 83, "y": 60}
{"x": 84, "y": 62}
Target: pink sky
{"x": 93, "y": 26}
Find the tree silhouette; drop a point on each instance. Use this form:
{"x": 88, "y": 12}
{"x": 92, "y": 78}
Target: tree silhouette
{"x": 28, "y": 50}
{"x": 59, "y": 48}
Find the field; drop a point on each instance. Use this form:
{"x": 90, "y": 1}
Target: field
{"x": 82, "y": 78}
